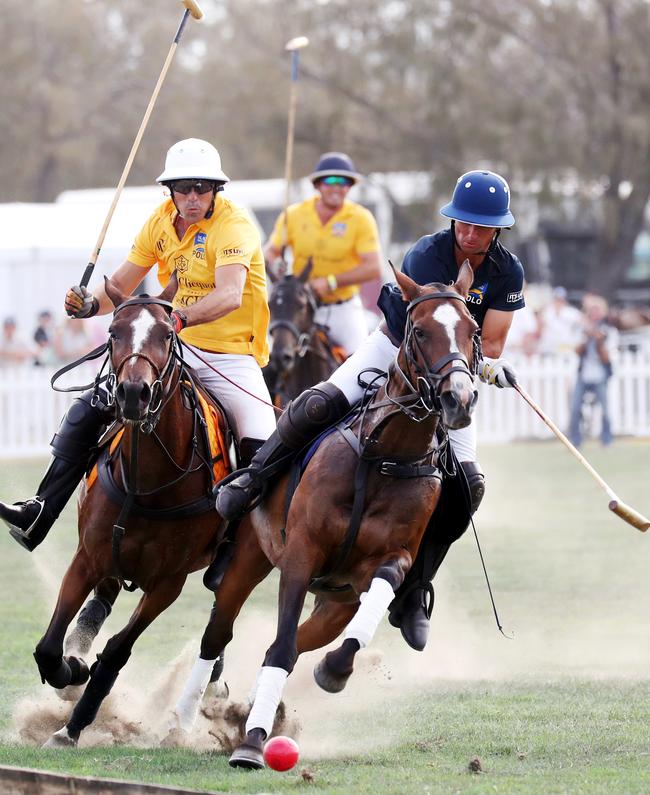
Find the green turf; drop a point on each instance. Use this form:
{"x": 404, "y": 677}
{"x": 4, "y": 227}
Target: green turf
{"x": 564, "y": 707}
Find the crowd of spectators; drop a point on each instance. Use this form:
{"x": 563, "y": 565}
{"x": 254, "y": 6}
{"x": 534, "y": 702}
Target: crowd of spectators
{"x": 51, "y": 343}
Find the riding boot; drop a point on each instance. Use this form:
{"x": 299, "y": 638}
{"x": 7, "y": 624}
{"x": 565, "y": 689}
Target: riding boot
{"x": 413, "y": 603}
{"x": 215, "y": 571}
{"x": 30, "y": 521}
{"x": 310, "y": 413}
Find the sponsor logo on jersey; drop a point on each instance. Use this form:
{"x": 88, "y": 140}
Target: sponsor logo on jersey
{"x": 182, "y": 263}
{"x": 160, "y": 245}
{"x": 477, "y": 293}
{"x": 513, "y": 297}
{"x": 199, "y": 253}
{"x": 232, "y": 252}
{"x": 339, "y": 228}
{"x": 199, "y": 238}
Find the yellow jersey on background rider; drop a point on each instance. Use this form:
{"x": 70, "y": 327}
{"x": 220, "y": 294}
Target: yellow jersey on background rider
{"x": 229, "y": 236}
{"x": 335, "y": 247}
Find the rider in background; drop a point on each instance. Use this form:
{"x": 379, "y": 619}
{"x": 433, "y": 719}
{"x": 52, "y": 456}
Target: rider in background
{"x": 220, "y": 311}
{"x": 479, "y": 210}
{"x": 342, "y": 239}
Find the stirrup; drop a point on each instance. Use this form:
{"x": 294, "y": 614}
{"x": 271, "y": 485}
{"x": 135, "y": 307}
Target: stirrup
{"x": 23, "y": 537}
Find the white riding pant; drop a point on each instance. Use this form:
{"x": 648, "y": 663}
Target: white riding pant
{"x": 251, "y": 418}
{"x": 347, "y": 323}
{"x": 378, "y": 351}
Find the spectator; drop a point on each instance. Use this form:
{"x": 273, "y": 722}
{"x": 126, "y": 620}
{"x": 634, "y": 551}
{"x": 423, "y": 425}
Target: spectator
{"x": 594, "y": 367}
{"x": 523, "y": 337}
{"x": 13, "y": 348}
{"x": 71, "y": 340}
{"x": 45, "y": 354}
{"x": 561, "y": 325}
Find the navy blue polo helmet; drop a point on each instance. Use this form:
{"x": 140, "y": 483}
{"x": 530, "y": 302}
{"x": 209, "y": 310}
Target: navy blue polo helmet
{"x": 335, "y": 164}
{"x": 481, "y": 198}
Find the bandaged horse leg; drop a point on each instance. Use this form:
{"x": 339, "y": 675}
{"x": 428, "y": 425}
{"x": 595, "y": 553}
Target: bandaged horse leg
{"x": 187, "y": 707}
{"x": 334, "y": 670}
{"x": 460, "y": 498}
{"x": 30, "y": 521}
{"x": 278, "y": 664}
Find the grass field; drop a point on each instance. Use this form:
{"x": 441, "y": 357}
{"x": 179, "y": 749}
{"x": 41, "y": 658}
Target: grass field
{"x": 563, "y": 707}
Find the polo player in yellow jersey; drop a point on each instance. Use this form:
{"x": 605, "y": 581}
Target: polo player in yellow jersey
{"x": 342, "y": 239}
{"x": 220, "y": 311}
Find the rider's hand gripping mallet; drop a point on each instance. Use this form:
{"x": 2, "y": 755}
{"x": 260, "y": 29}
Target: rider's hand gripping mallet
{"x": 626, "y": 513}
{"x": 294, "y": 46}
{"x": 191, "y": 9}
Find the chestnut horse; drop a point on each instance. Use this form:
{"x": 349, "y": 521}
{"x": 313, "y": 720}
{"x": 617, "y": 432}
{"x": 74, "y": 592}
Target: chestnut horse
{"x": 301, "y": 352}
{"x": 149, "y": 516}
{"x": 358, "y": 515}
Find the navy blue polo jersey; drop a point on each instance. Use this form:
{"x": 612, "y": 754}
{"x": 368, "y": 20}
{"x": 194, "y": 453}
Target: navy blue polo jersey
{"x": 498, "y": 282}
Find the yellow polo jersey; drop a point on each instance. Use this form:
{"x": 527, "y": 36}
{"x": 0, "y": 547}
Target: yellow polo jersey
{"x": 335, "y": 247}
{"x": 229, "y": 237}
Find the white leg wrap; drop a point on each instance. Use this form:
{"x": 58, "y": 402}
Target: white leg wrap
{"x": 372, "y": 609}
{"x": 188, "y": 704}
{"x": 270, "y": 684}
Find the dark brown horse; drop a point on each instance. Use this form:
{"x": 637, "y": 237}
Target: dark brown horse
{"x": 359, "y": 512}
{"x": 301, "y": 351}
{"x": 148, "y": 518}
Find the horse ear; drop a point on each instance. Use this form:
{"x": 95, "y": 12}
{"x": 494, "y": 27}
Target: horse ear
{"x": 409, "y": 288}
{"x": 113, "y": 293}
{"x": 465, "y": 279}
{"x": 305, "y": 272}
{"x": 170, "y": 291}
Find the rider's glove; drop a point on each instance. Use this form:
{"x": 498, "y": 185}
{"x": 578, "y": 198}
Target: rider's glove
{"x": 178, "y": 320}
{"x": 79, "y": 302}
{"x": 498, "y": 372}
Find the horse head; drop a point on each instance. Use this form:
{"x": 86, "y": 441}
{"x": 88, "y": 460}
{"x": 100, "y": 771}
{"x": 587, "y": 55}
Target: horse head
{"x": 141, "y": 345}
{"x": 440, "y": 347}
{"x": 292, "y": 305}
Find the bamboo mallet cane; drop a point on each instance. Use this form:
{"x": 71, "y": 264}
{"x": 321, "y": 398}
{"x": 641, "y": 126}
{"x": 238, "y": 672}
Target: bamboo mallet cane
{"x": 191, "y": 9}
{"x": 626, "y": 513}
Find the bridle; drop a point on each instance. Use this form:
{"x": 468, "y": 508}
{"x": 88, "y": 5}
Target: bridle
{"x": 161, "y": 387}
{"x": 302, "y": 338}
{"x": 424, "y": 399}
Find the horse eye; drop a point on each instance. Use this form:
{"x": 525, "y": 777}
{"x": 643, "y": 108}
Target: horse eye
{"x": 419, "y": 333}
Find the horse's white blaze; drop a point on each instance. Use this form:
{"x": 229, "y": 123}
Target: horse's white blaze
{"x": 141, "y": 327}
{"x": 449, "y": 316}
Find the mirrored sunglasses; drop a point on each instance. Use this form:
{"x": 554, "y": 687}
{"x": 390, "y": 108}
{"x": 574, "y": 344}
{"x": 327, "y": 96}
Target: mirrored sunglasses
{"x": 337, "y": 181}
{"x": 186, "y": 186}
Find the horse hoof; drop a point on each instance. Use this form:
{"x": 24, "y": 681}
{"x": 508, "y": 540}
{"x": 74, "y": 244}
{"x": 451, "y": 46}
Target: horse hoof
{"x": 216, "y": 690}
{"x": 61, "y": 739}
{"x": 327, "y": 680}
{"x": 248, "y": 757}
{"x": 176, "y": 738}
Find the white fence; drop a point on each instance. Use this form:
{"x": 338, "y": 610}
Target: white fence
{"x": 30, "y": 411}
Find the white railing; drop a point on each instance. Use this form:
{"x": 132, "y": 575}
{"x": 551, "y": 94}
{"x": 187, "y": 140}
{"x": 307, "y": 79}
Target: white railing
{"x": 30, "y": 410}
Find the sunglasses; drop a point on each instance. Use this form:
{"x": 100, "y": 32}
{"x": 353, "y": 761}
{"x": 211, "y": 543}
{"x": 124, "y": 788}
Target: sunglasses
{"x": 337, "y": 181}
{"x": 186, "y": 186}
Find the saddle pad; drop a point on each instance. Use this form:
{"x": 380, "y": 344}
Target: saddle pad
{"x": 91, "y": 477}
{"x": 311, "y": 450}
{"x": 218, "y": 450}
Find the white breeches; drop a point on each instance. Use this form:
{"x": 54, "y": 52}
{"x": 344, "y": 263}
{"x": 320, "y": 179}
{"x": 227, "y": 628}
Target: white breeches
{"x": 251, "y": 418}
{"x": 378, "y": 351}
{"x": 347, "y": 323}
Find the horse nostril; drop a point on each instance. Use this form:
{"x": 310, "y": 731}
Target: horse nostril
{"x": 449, "y": 401}
{"x": 145, "y": 395}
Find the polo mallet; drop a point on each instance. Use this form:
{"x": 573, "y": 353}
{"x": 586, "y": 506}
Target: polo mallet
{"x": 626, "y": 513}
{"x": 191, "y": 9}
{"x": 294, "y": 46}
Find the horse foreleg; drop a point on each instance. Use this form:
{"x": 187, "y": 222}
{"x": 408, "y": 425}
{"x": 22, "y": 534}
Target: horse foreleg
{"x": 55, "y": 669}
{"x": 92, "y": 617}
{"x": 114, "y": 657}
{"x": 334, "y": 670}
{"x": 248, "y": 567}
{"x": 325, "y": 624}
{"x": 278, "y": 664}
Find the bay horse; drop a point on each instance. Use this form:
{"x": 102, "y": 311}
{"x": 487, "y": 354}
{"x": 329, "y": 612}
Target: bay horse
{"x": 301, "y": 352}
{"x": 356, "y": 519}
{"x": 149, "y": 515}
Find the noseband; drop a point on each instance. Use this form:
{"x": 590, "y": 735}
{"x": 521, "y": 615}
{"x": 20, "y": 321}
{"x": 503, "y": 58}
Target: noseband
{"x": 158, "y": 389}
{"x": 430, "y": 377}
{"x": 301, "y": 337}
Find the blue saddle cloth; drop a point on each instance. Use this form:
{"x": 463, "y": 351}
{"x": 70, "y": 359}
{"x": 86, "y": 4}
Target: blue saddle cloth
{"x": 311, "y": 450}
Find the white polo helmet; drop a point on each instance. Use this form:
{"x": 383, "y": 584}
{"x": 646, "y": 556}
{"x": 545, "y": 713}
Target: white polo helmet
{"x": 193, "y": 159}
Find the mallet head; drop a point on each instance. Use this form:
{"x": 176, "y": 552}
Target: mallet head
{"x": 297, "y": 44}
{"x": 193, "y": 7}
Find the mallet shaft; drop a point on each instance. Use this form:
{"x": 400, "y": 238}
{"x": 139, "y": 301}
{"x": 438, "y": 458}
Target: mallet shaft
{"x": 617, "y": 506}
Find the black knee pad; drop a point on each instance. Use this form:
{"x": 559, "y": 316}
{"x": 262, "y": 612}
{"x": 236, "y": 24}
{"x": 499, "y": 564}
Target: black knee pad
{"x": 80, "y": 428}
{"x": 315, "y": 409}
{"x": 475, "y": 481}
